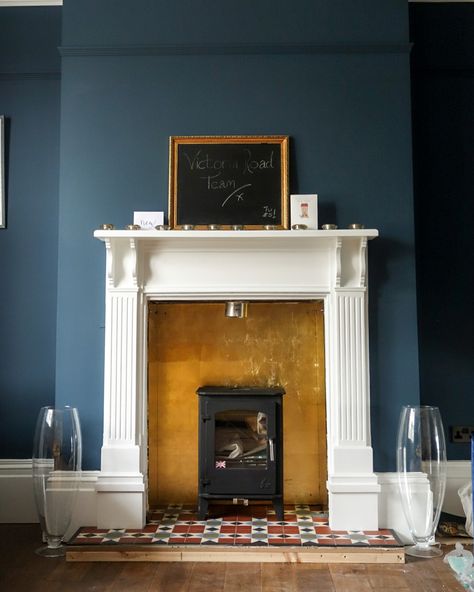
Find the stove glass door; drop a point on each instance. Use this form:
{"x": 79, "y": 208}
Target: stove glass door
{"x": 241, "y": 440}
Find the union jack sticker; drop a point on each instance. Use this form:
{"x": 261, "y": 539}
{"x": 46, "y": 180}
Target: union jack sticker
{"x": 220, "y": 464}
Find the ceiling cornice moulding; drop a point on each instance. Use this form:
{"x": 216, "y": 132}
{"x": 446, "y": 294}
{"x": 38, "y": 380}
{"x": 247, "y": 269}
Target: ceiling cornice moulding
{"x": 232, "y": 49}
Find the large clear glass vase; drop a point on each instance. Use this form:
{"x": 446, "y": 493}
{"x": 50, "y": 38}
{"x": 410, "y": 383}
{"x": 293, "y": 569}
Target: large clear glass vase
{"x": 57, "y": 457}
{"x": 422, "y": 466}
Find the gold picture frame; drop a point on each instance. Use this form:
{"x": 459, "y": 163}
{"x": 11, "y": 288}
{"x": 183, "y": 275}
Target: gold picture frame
{"x": 228, "y": 181}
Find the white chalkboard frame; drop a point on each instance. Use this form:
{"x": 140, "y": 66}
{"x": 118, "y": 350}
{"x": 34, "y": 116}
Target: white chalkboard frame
{"x": 176, "y": 195}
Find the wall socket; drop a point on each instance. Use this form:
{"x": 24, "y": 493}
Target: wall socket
{"x": 461, "y": 433}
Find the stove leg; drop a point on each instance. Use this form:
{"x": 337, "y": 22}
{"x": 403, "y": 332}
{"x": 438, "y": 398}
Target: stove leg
{"x": 203, "y": 505}
{"x": 279, "y": 510}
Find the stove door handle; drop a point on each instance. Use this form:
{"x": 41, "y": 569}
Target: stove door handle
{"x": 272, "y": 449}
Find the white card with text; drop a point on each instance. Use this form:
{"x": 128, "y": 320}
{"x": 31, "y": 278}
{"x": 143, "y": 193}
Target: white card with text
{"x": 148, "y": 220}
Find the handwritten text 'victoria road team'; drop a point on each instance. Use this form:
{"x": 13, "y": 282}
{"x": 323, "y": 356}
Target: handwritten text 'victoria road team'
{"x": 214, "y": 167}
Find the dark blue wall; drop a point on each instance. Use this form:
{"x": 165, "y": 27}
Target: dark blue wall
{"x": 332, "y": 75}
{"x": 29, "y": 100}
{"x": 147, "y": 22}
{"x": 443, "y": 98}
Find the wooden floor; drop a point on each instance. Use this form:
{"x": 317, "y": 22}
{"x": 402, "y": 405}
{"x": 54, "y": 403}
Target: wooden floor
{"x": 23, "y": 571}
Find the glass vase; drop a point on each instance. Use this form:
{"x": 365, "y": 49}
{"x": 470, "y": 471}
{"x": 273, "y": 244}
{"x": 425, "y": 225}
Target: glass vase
{"x": 422, "y": 466}
{"x": 57, "y": 456}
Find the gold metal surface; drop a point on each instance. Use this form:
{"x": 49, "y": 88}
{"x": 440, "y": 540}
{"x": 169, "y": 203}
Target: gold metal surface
{"x": 194, "y": 344}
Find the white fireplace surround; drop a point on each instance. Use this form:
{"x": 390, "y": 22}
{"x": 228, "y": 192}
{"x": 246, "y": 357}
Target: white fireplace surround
{"x": 175, "y": 265}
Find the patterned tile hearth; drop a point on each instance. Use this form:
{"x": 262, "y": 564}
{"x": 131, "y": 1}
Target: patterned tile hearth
{"x": 177, "y": 524}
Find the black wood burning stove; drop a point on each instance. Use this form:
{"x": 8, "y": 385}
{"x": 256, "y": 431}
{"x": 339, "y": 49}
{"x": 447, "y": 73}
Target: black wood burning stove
{"x": 240, "y": 445}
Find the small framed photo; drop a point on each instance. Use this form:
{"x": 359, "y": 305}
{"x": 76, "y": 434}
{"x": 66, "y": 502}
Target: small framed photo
{"x": 304, "y": 210}
{"x": 2, "y": 172}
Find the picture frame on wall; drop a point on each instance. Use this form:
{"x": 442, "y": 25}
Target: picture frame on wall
{"x": 2, "y": 172}
{"x": 228, "y": 181}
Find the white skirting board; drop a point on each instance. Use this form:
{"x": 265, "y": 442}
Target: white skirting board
{"x": 459, "y": 473}
{"x": 17, "y": 501}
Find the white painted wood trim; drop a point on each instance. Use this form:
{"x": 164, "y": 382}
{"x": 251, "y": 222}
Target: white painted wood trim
{"x": 17, "y": 502}
{"x": 390, "y": 509}
{"x": 242, "y": 235}
{"x": 146, "y": 265}
{"x": 459, "y": 473}
{"x": 26, "y": 3}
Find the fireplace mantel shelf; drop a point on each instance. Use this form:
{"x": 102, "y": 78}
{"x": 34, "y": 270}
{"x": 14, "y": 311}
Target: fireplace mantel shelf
{"x": 216, "y": 262}
{"x": 235, "y": 234}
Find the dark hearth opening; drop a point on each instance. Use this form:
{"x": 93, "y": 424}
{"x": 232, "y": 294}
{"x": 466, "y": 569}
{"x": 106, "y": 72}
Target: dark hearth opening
{"x": 240, "y": 445}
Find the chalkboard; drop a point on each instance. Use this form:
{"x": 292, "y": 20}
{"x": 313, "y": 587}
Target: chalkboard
{"x": 228, "y": 180}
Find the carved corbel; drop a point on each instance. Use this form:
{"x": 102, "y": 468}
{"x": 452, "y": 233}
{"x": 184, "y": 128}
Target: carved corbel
{"x": 109, "y": 263}
{"x": 363, "y": 262}
{"x": 134, "y": 262}
{"x": 338, "y": 267}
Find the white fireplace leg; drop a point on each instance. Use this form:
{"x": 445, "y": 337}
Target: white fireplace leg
{"x": 352, "y": 485}
{"x": 121, "y": 501}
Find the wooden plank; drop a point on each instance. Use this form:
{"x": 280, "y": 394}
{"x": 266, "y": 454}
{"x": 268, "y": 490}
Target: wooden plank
{"x": 135, "y": 577}
{"x": 70, "y": 572}
{"x": 433, "y": 575}
{"x": 243, "y": 576}
{"x": 313, "y": 576}
{"x": 389, "y": 578}
{"x": 206, "y": 577}
{"x": 239, "y": 555}
{"x": 351, "y": 578}
{"x": 172, "y": 577}
{"x": 277, "y": 578}
{"x": 100, "y": 576}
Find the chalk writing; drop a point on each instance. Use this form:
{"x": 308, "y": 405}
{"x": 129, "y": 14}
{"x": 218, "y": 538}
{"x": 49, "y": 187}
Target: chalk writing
{"x": 207, "y": 163}
{"x": 219, "y": 184}
{"x": 251, "y": 165}
{"x": 240, "y": 196}
{"x": 269, "y": 212}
